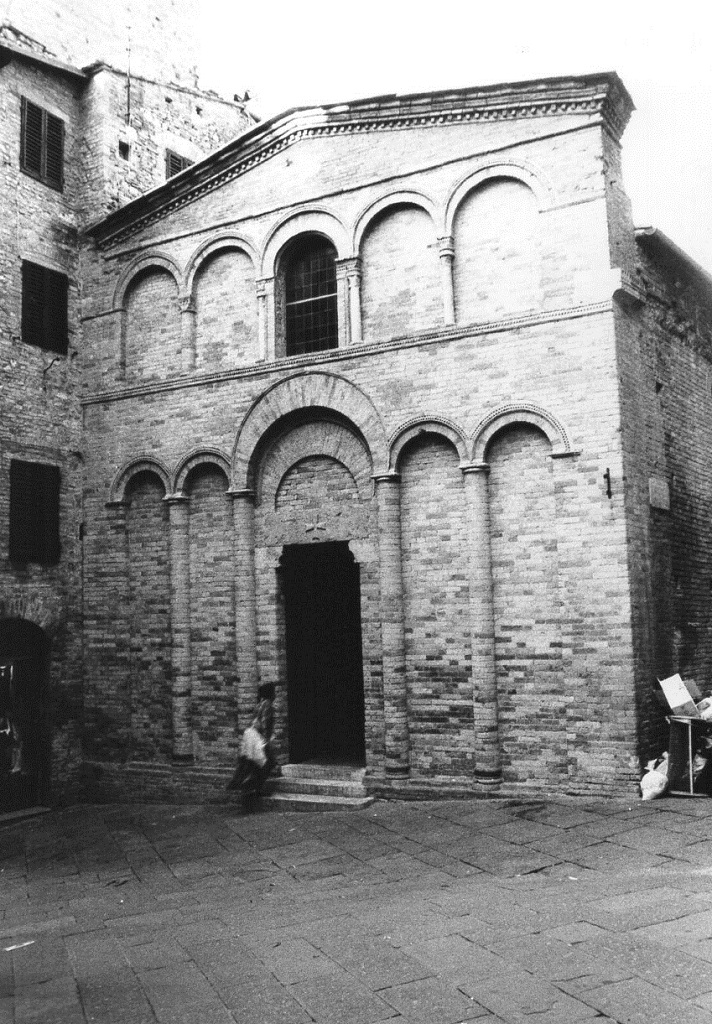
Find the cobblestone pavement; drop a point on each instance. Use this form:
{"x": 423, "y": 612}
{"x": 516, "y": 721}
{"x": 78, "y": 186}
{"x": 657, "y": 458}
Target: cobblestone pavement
{"x": 435, "y": 913}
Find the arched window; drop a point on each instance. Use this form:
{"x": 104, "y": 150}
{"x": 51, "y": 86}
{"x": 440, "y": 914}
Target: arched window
{"x": 310, "y": 307}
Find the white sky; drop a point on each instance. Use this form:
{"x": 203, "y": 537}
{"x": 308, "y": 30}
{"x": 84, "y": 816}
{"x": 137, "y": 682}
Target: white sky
{"x": 292, "y": 53}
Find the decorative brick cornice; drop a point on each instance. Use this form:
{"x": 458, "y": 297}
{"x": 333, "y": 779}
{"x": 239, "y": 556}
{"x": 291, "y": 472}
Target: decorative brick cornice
{"x": 601, "y": 95}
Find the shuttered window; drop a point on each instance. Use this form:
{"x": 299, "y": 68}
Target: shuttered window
{"x": 34, "y": 512}
{"x": 176, "y": 163}
{"x": 44, "y": 307}
{"x": 42, "y": 145}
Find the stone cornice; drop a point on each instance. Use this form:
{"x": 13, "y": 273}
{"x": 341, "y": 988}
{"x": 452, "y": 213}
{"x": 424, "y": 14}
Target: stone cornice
{"x": 284, "y": 366}
{"x": 602, "y": 96}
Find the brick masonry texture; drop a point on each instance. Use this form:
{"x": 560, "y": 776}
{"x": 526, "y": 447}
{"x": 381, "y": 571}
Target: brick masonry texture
{"x": 505, "y": 340}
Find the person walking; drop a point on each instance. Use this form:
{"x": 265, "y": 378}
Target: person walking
{"x": 256, "y": 759}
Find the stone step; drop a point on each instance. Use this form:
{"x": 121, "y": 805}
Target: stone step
{"x": 314, "y": 802}
{"x": 344, "y": 772}
{"x": 319, "y": 787}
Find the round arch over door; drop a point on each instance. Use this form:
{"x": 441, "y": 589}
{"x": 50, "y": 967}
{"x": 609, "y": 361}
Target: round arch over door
{"x": 24, "y": 733}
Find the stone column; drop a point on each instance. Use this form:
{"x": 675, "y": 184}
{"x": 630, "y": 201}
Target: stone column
{"x": 352, "y": 270}
{"x": 179, "y": 551}
{"x": 267, "y": 320}
{"x": 395, "y": 696}
{"x": 243, "y": 517}
{"x": 188, "y": 325}
{"x": 488, "y": 760}
{"x": 447, "y": 255}
{"x": 261, "y": 320}
{"x": 342, "y": 302}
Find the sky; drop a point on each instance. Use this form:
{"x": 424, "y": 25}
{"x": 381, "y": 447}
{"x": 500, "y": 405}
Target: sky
{"x": 289, "y": 54}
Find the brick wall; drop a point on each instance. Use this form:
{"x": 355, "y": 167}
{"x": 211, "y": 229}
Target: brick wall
{"x": 435, "y": 572}
{"x": 153, "y": 329}
{"x": 533, "y": 699}
{"x": 226, "y": 312}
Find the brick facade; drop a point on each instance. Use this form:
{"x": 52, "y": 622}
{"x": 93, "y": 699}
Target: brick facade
{"x": 518, "y": 383}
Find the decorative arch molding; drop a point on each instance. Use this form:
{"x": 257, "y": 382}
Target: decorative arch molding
{"x": 157, "y": 260}
{"x": 512, "y": 169}
{"x": 200, "y": 457}
{"x": 43, "y": 610}
{"x": 300, "y": 392}
{"x": 326, "y": 440}
{"x": 117, "y": 493}
{"x": 314, "y": 220}
{"x": 424, "y": 425}
{"x": 220, "y": 243}
{"x": 398, "y": 198}
{"x": 524, "y": 413}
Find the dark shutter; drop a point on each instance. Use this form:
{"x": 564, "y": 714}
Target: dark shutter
{"x": 54, "y": 158}
{"x": 42, "y": 144}
{"x": 31, "y": 143}
{"x": 44, "y": 307}
{"x": 34, "y": 512}
{"x": 175, "y": 163}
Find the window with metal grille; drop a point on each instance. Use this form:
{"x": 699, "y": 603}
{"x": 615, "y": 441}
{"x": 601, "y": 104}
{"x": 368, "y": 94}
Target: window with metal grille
{"x": 34, "y": 512}
{"x": 42, "y": 145}
{"x": 310, "y": 296}
{"x": 175, "y": 163}
{"x": 44, "y": 307}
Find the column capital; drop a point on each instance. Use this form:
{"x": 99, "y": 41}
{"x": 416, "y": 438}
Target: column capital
{"x": 264, "y": 285}
{"x": 386, "y": 478}
{"x": 350, "y": 265}
{"x": 186, "y": 303}
{"x": 178, "y": 498}
{"x": 446, "y": 245}
{"x": 244, "y": 493}
{"x": 475, "y": 467}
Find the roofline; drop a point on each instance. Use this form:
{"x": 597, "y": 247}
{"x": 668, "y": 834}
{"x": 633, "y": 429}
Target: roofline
{"x": 654, "y": 234}
{"x": 615, "y": 103}
{"x": 20, "y": 53}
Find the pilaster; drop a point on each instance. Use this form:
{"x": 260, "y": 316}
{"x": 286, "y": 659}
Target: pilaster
{"x": 245, "y": 604}
{"x": 179, "y": 552}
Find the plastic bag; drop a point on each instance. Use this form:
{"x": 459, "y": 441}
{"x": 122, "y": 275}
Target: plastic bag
{"x": 655, "y": 781}
{"x": 253, "y": 746}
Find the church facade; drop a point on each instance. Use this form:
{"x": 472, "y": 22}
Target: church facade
{"x": 386, "y": 403}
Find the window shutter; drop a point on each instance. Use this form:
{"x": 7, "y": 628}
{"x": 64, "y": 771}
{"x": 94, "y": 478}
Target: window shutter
{"x": 34, "y": 512}
{"x": 32, "y": 303}
{"x": 175, "y": 163}
{"x": 54, "y": 151}
{"x": 31, "y": 142}
{"x": 55, "y": 327}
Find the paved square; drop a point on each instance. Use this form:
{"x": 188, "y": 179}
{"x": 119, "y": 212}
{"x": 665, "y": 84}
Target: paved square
{"x": 499, "y": 911}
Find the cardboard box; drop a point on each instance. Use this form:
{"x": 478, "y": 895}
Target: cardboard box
{"x": 684, "y": 698}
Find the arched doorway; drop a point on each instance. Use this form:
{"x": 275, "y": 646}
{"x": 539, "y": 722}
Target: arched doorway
{"x": 24, "y": 740}
{"x": 325, "y": 702}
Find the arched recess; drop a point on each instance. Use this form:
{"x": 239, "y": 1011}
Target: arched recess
{"x": 401, "y": 285}
{"x": 513, "y": 169}
{"x": 313, "y": 221}
{"x": 304, "y": 391}
{"x": 151, "y": 324}
{"x": 399, "y": 198}
{"x": 426, "y": 425}
{"x": 197, "y": 458}
{"x": 118, "y": 490}
{"x": 496, "y": 231}
{"x": 215, "y": 245}
{"x": 220, "y": 280}
{"x": 146, "y": 262}
{"x": 525, "y": 413}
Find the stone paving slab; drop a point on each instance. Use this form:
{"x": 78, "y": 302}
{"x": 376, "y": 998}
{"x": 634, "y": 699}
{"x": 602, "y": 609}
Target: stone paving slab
{"x": 499, "y": 911}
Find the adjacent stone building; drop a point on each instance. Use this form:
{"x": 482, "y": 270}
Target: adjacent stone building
{"x": 386, "y": 403}
{"x": 76, "y": 143}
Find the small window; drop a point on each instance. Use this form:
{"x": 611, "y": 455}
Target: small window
{"x": 42, "y": 145}
{"x": 124, "y": 149}
{"x": 310, "y": 296}
{"x": 34, "y": 512}
{"x": 176, "y": 163}
{"x": 44, "y": 307}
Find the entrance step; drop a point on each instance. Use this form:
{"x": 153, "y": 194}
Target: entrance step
{"x": 318, "y": 787}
